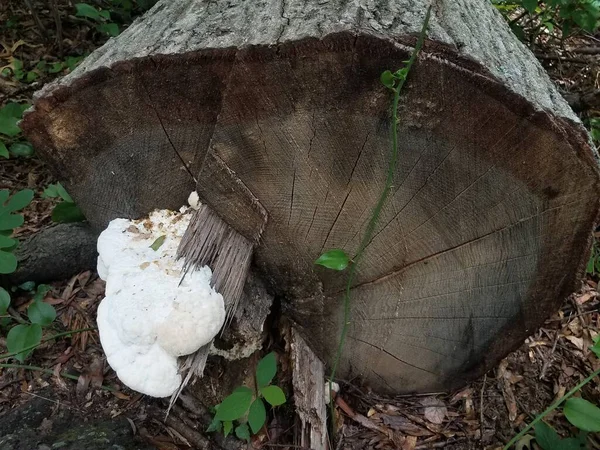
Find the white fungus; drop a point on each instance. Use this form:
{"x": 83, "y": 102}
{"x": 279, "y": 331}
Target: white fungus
{"x": 150, "y": 316}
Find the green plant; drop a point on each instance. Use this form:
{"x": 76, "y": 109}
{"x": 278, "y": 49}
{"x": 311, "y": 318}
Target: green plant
{"x": 66, "y": 211}
{"x": 581, "y": 413}
{"x": 8, "y": 222}
{"x": 247, "y": 407}
{"x": 101, "y": 18}
{"x": 337, "y": 259}
{"x": 593, "y": 265}
{"x": 22, "y": 338}
{"x": 11, "y": 142}
{"x": 533, "y": 19}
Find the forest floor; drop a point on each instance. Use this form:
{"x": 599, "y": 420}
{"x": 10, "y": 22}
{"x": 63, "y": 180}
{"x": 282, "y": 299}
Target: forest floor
{"x": 483, "y": 415}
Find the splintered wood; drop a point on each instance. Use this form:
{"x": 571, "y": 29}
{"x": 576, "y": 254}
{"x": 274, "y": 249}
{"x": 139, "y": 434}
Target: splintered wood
{"x": 309, "y": 393}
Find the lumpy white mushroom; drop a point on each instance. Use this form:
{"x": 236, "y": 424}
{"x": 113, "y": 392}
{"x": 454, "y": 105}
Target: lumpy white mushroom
{"x": 149, "y": 316}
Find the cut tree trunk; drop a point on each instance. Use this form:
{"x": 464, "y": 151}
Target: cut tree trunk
{"x": 487, "y": 226}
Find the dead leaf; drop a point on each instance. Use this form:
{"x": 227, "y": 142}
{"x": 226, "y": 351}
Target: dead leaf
{"x": 120, "y": 395}
{"x": 435, "y": 410}
{"x": 581, "y": 299}
{"x": 409, "y": 443}
{"x": 507, "y": 392}
{"x": 400, "y": 423}
{"x": 576, "y": 341}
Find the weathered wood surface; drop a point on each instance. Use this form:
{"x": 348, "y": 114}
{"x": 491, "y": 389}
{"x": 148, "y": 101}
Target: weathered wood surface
{"x": 487, "y": 227}
{"x": 308, "y": 380}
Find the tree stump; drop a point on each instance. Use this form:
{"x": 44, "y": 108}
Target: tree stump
{"x": 487, "y": 227}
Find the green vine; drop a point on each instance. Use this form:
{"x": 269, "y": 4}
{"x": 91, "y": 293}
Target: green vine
{"x": 337, "y": 259}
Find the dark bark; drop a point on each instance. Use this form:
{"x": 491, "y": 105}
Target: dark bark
{"x": 56, "y": 253}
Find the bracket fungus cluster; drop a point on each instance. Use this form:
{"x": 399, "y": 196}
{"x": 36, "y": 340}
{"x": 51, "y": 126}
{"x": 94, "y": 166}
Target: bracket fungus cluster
{"x": 151, "y": 314}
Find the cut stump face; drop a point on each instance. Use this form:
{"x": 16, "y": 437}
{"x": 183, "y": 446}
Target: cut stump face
{"x": 484, "y": 233}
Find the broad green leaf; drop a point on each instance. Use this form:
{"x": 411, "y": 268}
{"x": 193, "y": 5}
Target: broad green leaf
{"x": 62, "y": 192}
{"x": 387, "y": 79}
{"x": 51, "y": 191}
{"x": 31, "y": 76}
{"x": 4, "y": 301}
{"x": 10, "y": 222}
{"x": 21, "y": 337}
{"x": 112, "y": 29}
{"x": 227, "y": 426}
{"x": 19, "y": 200}
{"x": 4, "y": 194}
{"x": 7, "y": 242}
{"x": 235, "y": 405}
{"x": 8, "y": 262}
{"x": 583, "y": 414}
{"x": 257, "y": 415}
{"x": 66, "y": 212}
{"x": 3, "y": 150}
{"x": 85, "y": 10}
{"x": 21, "y": 149}
{"x": 530, "y": 5}
{"x": 215, "y": 425}
{"x": 158, "y": 242}
{"x": 105, "y": 14}
{"x": 41, "y": 313}
{"x": 266, "y": 370}
{"x": 56, "y": 67}
{"x": 273, "y": 395}
{"x": 242, "y": 432}
{"x": 546, "y": 437}
{"x": 10, "y": 114}
{"x": 335, "y": 259}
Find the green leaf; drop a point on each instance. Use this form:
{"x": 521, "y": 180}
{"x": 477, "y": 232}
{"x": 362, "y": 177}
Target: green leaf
{"x": 56, "y": 67}
{"x": 158, "y": 242}
{"x": 266, "y": 370}
{"x": 10, "y": 114}
{"x": 273, "y": 395}
{"x": 7, "y": 242}
{"x": 227, "y": 426}
{"x": 85, "y": 10}
{"x": 9, "y": 222}
{"x": 3, "y": 150}
{"x": 257, "y": 415}
{"x": 41, "y": 292}
{"x": 215, "y": 425}
{"x": 8, "y": 262}
{"x": 530, "y": 5}
{"x": 41, "y": 313}
{"x": 335, "y": 259}
{"x": 242, "y": 432}
{"x": 387, "y": 79}
{"x": 31, "y": 76}
{"x": 235, "y": 405}
{"x": 112, "y": 29}
{"x": 21, "y": 337}
{"x": 546, "y": 437}
{"x": 62, "y": 193}
{"x": 4, "y": 301}
{"x": 51, "y": 191}
{"x": 27, "y": 286}
{"x": 19, "y": 200}
{"x": 583, "y": 414}
{"x": 21, "y": 149}
{"x": 67, "y": 212}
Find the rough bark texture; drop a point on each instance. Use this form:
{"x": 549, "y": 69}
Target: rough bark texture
{"x": 56, "y": 253}
{"x": 495, "y": 195}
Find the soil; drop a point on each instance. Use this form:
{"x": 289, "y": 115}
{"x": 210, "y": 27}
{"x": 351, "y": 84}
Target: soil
{"x": 79, "y": 395}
